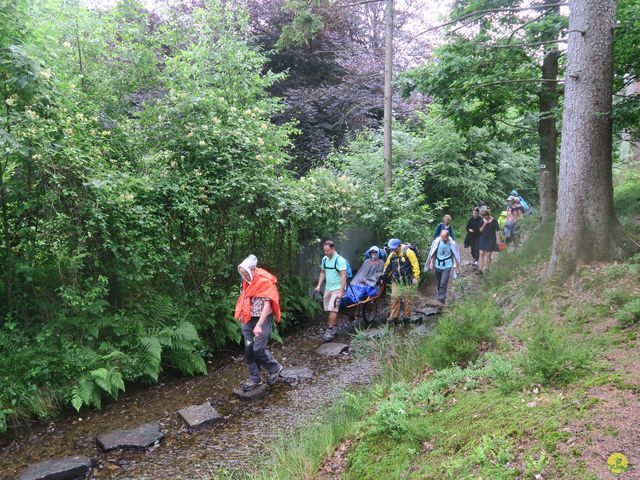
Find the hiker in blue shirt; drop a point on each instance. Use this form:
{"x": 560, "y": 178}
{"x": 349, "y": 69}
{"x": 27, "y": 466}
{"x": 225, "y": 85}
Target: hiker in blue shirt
{"x": 445, "y": 225}
{"x": 333, "y": 269}
{"x": 444, "y": 258}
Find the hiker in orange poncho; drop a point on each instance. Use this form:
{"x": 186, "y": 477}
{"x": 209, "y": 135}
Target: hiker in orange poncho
{"x": 257, "y": 305}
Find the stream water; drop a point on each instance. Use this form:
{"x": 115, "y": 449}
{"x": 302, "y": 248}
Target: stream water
{"x": 184, "y": 454}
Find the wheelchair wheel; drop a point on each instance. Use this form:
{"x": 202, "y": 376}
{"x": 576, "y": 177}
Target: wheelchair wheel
{"x": 370, "y": 312}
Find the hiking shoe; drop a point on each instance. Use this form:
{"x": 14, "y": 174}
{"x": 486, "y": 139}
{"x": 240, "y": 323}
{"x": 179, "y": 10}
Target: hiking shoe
{"x": 329, "y": 333}
{"x": 273, "y": 377}
{"x": 250, "y": 384}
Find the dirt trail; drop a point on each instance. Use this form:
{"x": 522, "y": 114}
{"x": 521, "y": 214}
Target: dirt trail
{"x": 246, "y": 428}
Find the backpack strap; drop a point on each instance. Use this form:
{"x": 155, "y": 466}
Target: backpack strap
{"x": 335, "y": 263}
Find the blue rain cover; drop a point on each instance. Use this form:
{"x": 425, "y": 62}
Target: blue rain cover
{"x": 355, "y": 293}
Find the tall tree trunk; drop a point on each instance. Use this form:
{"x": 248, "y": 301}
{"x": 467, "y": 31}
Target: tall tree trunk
{"x": 388, "y": 97}
{"x": 587, "y": 228}
{"x": 548, "y": 133}
{"x": 547, "y": 130}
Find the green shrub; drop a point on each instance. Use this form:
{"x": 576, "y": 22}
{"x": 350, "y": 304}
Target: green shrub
{"x": 551, "y": 356}
{"x": 459, "y": 332}
{"x": 493, "y": 450}
{"x": 629, "y": 314}
{"x": 626, "y": 199}
{"x": 616, "y": 297}
{"x": 537, "y": 246}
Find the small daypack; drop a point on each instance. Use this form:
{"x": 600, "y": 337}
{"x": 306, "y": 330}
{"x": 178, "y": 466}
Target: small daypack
{"x": 411, "y": 246}
{"x": 335, "y": 266}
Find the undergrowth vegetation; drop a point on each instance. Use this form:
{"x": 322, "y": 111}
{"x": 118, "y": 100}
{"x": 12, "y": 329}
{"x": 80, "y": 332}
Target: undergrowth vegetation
{"x": 140, "y": 163}
{"x": 446, "y": 408}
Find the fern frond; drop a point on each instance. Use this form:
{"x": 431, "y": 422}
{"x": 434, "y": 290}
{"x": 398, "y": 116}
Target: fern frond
{"x": 151, "y": 356}
{"x": 161, "y": 310}
{"x": 83, "y": 393}
{"x": 116, "y": 381}
{"x": 186, "y": 331}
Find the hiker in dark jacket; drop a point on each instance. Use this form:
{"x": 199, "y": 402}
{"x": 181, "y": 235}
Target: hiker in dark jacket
{"x": 445, "y": 225}
{"x": 472, "y": 240}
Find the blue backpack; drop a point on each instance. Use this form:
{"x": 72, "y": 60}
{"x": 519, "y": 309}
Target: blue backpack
{"x": 335, "y": 267}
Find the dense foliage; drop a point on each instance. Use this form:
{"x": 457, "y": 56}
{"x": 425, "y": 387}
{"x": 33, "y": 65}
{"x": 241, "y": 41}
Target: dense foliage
{"x": 142, "y": 156}
{"x": 139, "y": 165}
{"x": 437, "y": 170}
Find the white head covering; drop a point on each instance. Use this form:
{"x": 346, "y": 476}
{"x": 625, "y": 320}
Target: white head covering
{"x": 249, "y": 264}
{"x": 374, "y": 249}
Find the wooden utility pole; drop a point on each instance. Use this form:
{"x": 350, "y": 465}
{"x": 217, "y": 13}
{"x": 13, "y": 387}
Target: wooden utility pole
{"x": 388, "y": 96}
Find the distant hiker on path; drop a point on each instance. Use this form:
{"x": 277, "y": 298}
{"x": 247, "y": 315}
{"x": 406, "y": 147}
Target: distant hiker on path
{"x": 333, "y": 269}
{"x": 488, "y": 240}
{"x": 472, "y": 240}
{"x": 444, "y": 258}
{"x": 514, "y": 213}
{"x": 256, "y": 307}
{"x": 445, "y": 225}
{"x": 525, "y": 206}
{"x": 403, "y": 269}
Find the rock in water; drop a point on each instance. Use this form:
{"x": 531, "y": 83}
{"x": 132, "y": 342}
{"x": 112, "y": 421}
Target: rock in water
{"x": 253, "y": 394}
{"x": 139, "y": 438}
{"x": 199, "y": 415}
{"x": 332, "y": 349}
{"x": 426, "y": 312}
{"x": 69, "y": 468}
{"x": 373, "y": 333}
{"x": 295, "y": 374}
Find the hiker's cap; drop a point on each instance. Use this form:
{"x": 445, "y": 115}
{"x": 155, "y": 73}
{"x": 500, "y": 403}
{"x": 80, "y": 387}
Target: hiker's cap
{"x": 374, "y": 249}
{"x": 394, "y": 243}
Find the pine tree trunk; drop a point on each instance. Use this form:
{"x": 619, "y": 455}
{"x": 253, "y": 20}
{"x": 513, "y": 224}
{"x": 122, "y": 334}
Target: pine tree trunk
{"x": 548, "y": 133}
{"x": 587, "y": 228}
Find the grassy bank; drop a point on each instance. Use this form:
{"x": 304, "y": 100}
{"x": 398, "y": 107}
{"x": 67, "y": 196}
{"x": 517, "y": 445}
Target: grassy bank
{"x": 525, "y": 380}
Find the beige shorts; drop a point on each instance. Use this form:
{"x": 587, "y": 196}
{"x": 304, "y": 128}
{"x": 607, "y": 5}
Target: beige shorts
{"x": 329, "y": 300}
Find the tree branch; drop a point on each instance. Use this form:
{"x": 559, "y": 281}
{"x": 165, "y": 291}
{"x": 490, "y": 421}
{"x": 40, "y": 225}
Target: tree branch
{"x": 535, "y": 19}
{"x": 519, "y": 45}
{"x": 523, "y": 80}
{"x": 518, "y": 126}
{"x": 362, "y": 2}
{"x": 484, "y": 13}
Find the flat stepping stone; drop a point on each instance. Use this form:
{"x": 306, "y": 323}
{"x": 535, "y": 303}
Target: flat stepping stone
{"x": 139, "y": 438}
{"x": 295, "y": 374}
{"x": 197, "y": 416}
{"x": 427, "y": 311}
{"x": 69, "y": 468}
{"x": 253, "y": 394}
{"x": 332, "y": 349}
{"x": 373, "y": 333}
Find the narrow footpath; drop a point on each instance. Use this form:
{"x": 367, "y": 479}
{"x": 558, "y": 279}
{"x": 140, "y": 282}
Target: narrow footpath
{"x": 245, "y": 426}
